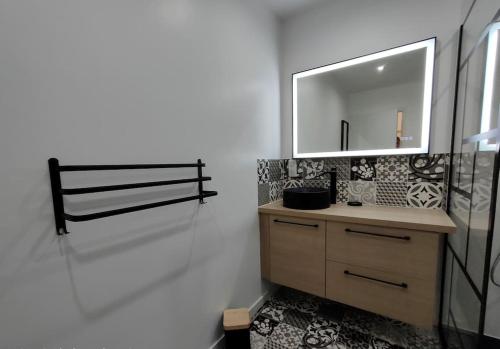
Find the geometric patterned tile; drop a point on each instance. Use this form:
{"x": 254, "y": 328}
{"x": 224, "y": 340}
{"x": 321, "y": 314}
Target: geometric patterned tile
{"x": 263, "y": 326}
{"x": 349, "y": 338}
{"x": 273, "y": 311}
{"x": 310, "y": 168}
{"x": 427, "y": 168}
{"x": 341, "y": 165}
{"x": 362, "y": 191}
{"x": 275, "y": 170}
{"x": 317, "y": 183}
{"x": 257, "y": 341}
{"x": 342, "y": 193}
{"x": 263, "y": 171}
{"x": 425, "y": 194}
{"x": 333, "y": 325}
{"x": 263, "y": 194}
{"x": 392, "y": 168}
{"x": 286, "y": 335}
{"x": 297, "y": 318}
{"x": 364, "y": 168}
{"x": 293, "y": 183}
{"x": 391, "y": 194}
{"x": 275, "y": 190}
{"x": 321, "y": 333}
{"x": 273, "y": 345}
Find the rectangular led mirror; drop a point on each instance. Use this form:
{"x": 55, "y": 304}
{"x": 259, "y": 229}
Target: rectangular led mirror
{"x": 379, "y": 104}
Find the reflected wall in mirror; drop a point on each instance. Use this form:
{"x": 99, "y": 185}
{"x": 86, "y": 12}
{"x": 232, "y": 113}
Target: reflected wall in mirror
{"x": 377, "y": 104}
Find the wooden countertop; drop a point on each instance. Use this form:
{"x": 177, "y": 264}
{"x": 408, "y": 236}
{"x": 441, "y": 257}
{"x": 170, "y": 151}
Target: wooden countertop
{"x": 433, "y": 220}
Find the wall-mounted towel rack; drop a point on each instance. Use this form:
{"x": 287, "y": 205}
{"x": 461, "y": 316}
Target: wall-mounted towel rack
{"x": 58, "y": 192}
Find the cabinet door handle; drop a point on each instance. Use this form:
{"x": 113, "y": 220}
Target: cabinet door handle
{"x": 407, "y": 238}
{"x": 402, "y": 285}
{"x": 303, "y": 224}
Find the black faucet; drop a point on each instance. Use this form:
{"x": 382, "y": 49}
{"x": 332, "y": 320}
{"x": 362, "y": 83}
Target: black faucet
{"x": 333, "y": 183}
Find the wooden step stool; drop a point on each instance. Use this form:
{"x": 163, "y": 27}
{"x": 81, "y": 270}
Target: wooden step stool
{"x": 237, "y": 328}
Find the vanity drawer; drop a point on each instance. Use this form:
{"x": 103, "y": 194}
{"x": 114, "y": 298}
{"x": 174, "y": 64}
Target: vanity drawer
{"x": 297, "y": 253}
{"x": 410, "y": 252}
{"x": 399, "y": 297}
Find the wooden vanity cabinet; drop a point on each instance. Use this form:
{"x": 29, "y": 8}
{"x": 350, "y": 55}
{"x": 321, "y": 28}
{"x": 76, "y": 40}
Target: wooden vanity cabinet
{"x": 297, "y": 253}
{"x": 386, "y": 266}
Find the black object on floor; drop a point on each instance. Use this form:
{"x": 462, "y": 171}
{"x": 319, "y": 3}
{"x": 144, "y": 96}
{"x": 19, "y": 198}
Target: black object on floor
{"x": 355, "y": 203}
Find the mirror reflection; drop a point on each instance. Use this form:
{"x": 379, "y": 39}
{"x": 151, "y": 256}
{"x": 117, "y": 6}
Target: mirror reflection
{"x": 375, "y": 104}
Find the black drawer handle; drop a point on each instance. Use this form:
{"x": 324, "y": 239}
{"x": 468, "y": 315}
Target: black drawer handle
{"x": 407, "y": 238}
{"x": 303, "y": 224}
{"x": 402, "y": 285}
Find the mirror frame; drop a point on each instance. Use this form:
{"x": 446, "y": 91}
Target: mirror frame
{"x": 429, "y": 44}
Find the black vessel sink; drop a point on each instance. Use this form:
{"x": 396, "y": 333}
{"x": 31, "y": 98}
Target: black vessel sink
{"x": 306, "y": 198}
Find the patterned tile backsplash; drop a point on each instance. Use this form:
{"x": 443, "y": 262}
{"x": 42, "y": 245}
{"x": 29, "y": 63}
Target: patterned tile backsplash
{"x": 392, "y": 180}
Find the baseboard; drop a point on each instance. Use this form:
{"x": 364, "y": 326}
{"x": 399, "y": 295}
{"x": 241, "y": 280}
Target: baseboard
{"x": 219, "y": 343}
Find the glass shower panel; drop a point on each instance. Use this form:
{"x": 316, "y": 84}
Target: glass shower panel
{"x": 459, "y": 212}
{"x": 465, "y": 307}
{"x": 480, "y": 215}
{"x": 466, "y": 167}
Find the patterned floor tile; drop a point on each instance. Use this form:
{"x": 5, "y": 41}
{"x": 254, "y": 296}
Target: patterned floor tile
{"x": 427, "y": 168}
{"x": 310, "y": 168}
{"x": 273, "y": 311}
{"x": 263, "y": 325}
{"x": 321, "y": 333}
{"x": 365, "y": 322}
{"x": 351, "y": 339}
{"x": 392, "y": 168}
{"x": 273, "y": 345}
{"x": 362, "y": 191}
{"x": 275, "y": 170}
{"x": 424, "y": 194}
{"x": 297, "y": 318}
{"x": 263, "y": 171}
{"x": 364, "y": 168}
{"x": 257, "y": 341}
{"x": 275, "y": 190}
{"x": 287, "y": 335}
{"x": 332, "y": 325}
{"x": 391, "y": 194}
{"x": 263, "y": 194}
{"x": 376, "y": 343}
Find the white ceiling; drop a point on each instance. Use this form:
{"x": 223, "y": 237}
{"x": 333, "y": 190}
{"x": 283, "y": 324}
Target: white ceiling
{"x": 285, "y": 8}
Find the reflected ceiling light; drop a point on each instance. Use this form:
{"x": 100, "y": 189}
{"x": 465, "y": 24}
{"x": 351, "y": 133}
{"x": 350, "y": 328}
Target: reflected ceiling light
{"x": 380, "y": 68}
{"x": 489, "y": 80}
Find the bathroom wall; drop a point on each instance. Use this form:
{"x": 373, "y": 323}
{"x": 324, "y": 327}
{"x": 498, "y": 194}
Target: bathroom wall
{"x": 125, "y": 81}
{"x": 397, "y": 181}
{"x": 342, "y": 29}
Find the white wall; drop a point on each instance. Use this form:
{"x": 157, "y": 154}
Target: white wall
{"x": 125, "y": 81}
{"x": 342, "y": 29}
{"x": 372, "y": 116}
{"x": 320, "y": 112}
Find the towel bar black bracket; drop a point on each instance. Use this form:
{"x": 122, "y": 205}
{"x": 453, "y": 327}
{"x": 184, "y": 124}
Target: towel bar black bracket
{"x": 58, "y": 192}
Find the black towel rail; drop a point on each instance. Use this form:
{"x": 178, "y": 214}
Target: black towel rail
{"x": 57, "y": 191}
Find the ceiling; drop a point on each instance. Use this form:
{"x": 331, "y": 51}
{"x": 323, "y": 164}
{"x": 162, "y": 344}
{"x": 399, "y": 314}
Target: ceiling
{"x": 285, "y": 8}
{"x": 398, "y": 69}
